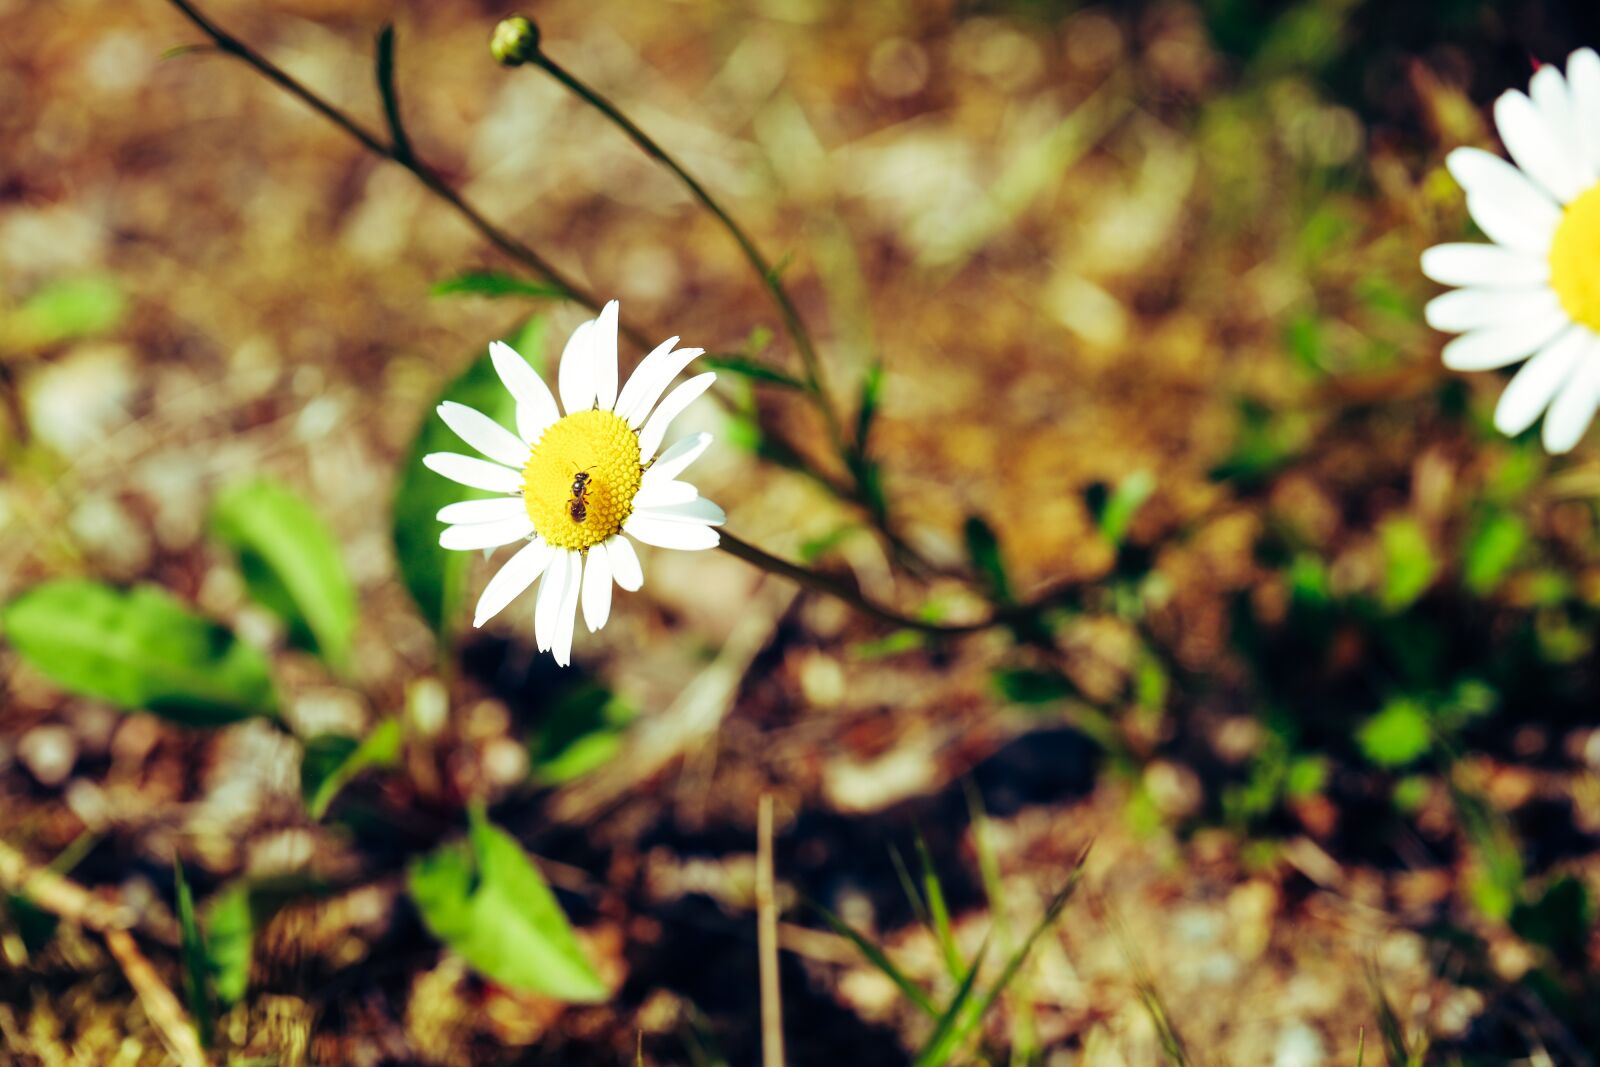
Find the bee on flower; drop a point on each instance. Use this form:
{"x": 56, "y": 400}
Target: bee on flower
{"x": 578, "y": 488}
{"x": 1534, "y": 292}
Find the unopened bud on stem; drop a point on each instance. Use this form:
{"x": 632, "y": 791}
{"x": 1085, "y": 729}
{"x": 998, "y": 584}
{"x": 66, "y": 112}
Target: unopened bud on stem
{"x": 515, "y": 41}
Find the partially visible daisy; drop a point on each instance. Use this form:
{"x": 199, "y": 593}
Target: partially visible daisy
{"x": 1536, "y": 290}
{"x": 577, "y": 486}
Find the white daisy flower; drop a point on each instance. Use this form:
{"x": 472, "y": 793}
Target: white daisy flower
{"x": 1536, "y": 290}
{"x": 578, "y": 486}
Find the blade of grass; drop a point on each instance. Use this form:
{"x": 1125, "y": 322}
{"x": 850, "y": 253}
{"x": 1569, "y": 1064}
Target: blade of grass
{"x": 950, "y": 1030}
{"x": 1023, "y": 1039}
{"x": 194, "y": 957}
{"x": 943, "y": 931}
{"x": 875, "y": 956}
{"x": 1171, "y": 1041}
{"x": 953, "y": 1036}
{"x": 910, "y": 887}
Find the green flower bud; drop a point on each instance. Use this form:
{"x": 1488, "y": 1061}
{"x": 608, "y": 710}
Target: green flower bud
{"x": 515, "y": 41}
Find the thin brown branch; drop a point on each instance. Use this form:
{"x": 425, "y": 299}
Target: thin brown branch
{"x": 161, "y": 1005}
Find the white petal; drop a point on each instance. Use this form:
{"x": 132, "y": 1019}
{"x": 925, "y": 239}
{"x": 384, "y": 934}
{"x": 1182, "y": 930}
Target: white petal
{"x": 1506, "y": 227}
{"x": 669, "y": 533}
{"x": 471, "y": 512}
{"x": 567, "y": 614}
{"x": 473, "y": 472}
{"x": 1471, "y": 309}
{"x": 1486, "y": 176}
{"x": 653, "y": 379}
{"x": 1583, "y": 82}
{"x": 636, "y": 380}
{"x": 1537, "y": 383}
{"x": 597, "y": 588}
{"x": 680, "y": 398}
{"x": 1489, "y": 266}
{"x": 603, "y": 341}
{"x": 1535, "y": 147}
{"x": 576, "y": 380}
{"x": 697, "y": 510}
{"x": 624, "y": 563}
{"x": 509, "y": 581}
{"x": 484, "y": 434}
{"x": 659, "y": 494}
{"x": 676, "y": 459}
{"x": 1548, "y": 90}
{"x": 552, "y": 591}
{"x": 536, "y": 408}
{"x": 1501, "y": 346}
{"x": 486, "y": 534}
{"x": 1573, "y": 408}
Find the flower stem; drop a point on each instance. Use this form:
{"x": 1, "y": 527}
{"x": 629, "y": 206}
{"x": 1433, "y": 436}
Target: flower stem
{"x": 402, "y": 154}
{"x": 792, "y": 321}
{"x": 847, "y": 592}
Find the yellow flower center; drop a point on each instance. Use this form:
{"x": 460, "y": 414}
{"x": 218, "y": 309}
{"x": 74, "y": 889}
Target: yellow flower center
{"x": 576, "y": 512}
{"x": 1575, "y": 259}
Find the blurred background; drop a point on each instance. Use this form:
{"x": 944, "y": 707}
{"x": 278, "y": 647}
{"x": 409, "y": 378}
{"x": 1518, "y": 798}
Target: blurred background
{"x": 1318, "y": 684}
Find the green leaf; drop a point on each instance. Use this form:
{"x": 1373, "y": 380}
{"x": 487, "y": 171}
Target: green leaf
{"x": 434, "y": 576}
{"x": 749, "y": 368}
{"x": 983, "y": 548}
{"x": 493, "y": 283}
{"x": 1409, "y": 564}
{"x": 291, "y": 565}
{"x": 1399, "y": 734}
{"x": 62, "y": 311}
{"x": 332, "y": 760}
{"x": 867, "y": 411}
{"x": 487, "y": 901}
{"x": 230, "y": 926}
{"x": 582, "y": 731}
{"x": 139, "y": 649}
{"x": 1491, "y": 550}
{"x": 1560, "y": 920}
{"x": 196, "y": 971}
{"x": 1123, "y": 504}
{"x": 1022, "y": 685}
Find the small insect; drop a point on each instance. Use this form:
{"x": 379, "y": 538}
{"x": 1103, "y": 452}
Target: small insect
{"x": 578, "y": 507}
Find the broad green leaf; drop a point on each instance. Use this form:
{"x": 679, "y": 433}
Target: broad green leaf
{"x": 582, "y": 731}
{"x": 330, "y": 761}
{"x": 434, "y": 576}
{"x": 62, "y": 311}
{"x": 230, "y": 927}
{"x": 488, "y": 902}
{"x": 139, "y": 649}
{"x": 1409, "y": 563}
{"x": 749, "y": 368}
{"x": 1491, "y": 549}
{"x": 983, "y": 548}
{"x": 497, "y": 284}
{"x": 1023, "y": 685}
{"x": 196, "y": 971}
{"x": 291, "y": 565}
{"x": 1560, "y": 920}
{"x": 1397, "y": 735}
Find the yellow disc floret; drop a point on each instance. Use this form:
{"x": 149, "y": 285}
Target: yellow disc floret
{"x": 596, "y": 443}
{"x": 1575, "y": 259}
